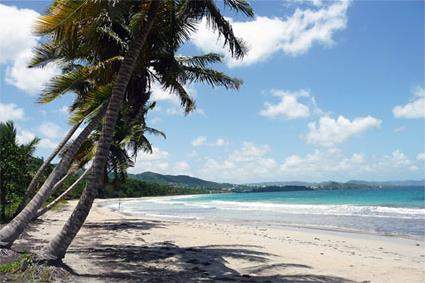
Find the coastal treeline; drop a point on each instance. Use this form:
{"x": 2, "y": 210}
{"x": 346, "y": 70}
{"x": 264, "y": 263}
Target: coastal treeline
{"x": 136, "y": 188}
{"x": 18, "y": 165}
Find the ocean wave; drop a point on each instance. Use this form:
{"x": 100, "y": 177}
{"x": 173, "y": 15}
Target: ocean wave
{"x": 314, "y": 209}
{"x": 322, "y": 209}
{"x": 180, "y": 203}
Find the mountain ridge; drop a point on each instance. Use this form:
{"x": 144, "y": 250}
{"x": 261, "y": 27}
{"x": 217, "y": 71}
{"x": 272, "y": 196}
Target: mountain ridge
{"x": 189, "y": 181}
{"x": 179, "y": 180}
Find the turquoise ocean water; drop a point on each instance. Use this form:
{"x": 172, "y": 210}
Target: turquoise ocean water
{"x": 391, "y": 211}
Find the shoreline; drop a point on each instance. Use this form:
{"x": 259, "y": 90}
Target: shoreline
{"x": 331, "y": 229}
{"x": 115, "y": 247}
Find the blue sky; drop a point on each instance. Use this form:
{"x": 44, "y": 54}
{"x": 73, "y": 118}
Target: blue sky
{"x": 332, "y": 90}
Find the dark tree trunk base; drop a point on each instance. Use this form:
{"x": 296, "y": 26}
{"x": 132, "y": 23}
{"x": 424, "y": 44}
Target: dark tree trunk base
{"x": 46, "y": 259}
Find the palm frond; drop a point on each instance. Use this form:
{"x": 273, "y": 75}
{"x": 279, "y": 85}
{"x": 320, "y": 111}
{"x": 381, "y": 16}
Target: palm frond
{"x": 62, "y": 13}
{"x": 91, "y": 104}
{"x": 201, "y": 60}
{"x": 217, "y": 22}
{"x": 209, "y": 76}
{"x": 156, "y": 132}
{"x": 74, "y": 80}
{"x": 240, "y": 6}
{"x": 175, "y": 87}
{"x": 44, "y": 53}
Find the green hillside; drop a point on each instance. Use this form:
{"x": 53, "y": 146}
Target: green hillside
{"x": 179, "y": 181}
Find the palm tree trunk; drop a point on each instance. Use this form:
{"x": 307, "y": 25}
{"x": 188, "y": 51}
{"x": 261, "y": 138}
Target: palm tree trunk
{"x": 57, "y": 247}
{"x": 10, "y": 232}
{"x": 32, "y": 186}
{"x": 57, "y": 185}
{"x": 62, "y": 196}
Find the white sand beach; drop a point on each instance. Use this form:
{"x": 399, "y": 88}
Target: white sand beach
{"x": 113, "y": 247}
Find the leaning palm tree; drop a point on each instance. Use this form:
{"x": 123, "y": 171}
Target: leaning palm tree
{"x": 186, "y": 11}
{"x": 60, "y": 50}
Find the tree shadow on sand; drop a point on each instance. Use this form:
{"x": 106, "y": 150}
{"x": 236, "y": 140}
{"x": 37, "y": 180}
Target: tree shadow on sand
{"x": 124, "y": 225}
{"x": 166, "y": 262}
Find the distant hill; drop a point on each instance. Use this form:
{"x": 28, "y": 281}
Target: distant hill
{"x": 403, "y": 183}
{"x": 281, "y": 184}
{"x": 179, "y": 181}
{"x": 268, "y": 189}
{"x": 352, "y": 184}
{"x": 184, "y": 181}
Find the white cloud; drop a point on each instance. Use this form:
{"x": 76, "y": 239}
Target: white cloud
{"x": 266, "y": 36}
{"x": 64, "y": 110}
{"x": 318, "y": 164}
{"x": 156, "y": 155}
{"x": 221, "y": 142}
{"x": 10, "y": 111}
{"x": 15, "y": 33}
{"x": 157, "y": 161}
{"x": 16, "y": 43}
{"x": 50, "y": 130}
{"x": 289, "y": 107}
{"x": 247, "y": 163}
{"x": 249, "y": 152}
{"x": 398, "y": 159}
{"x": 201, "y": 140}
{"x": 334, "y": 164}
{"x": 329, "y": 131}
{"x": 181, "y": 167}
{"x": 179, "y": 111}
{"x": 47, "y": 143}
{"x": 159, "y": 94}
{"x": 312, "y": 2}
{"x": 31, "y": 81}
{"x": 415, "y": 108}
{"x": 25, "y": 136}
{"x": 251, "y": 163}
{"x": 421, "y": 156}
{"x": 165, "y": 98}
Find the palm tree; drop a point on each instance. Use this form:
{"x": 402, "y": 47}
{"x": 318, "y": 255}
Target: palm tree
{"x": 58, "y": 246}
{"x": 186, "y": 10}
{"x": 82, "y": 80}
{"x": 61, "y": 49}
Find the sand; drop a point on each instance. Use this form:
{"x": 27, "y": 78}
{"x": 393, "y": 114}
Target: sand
{"x": 113, "y": 247}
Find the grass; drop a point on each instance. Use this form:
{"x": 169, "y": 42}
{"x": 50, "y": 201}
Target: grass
{"x": 23, "y": 269}
{"x": 14, "y": 266}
